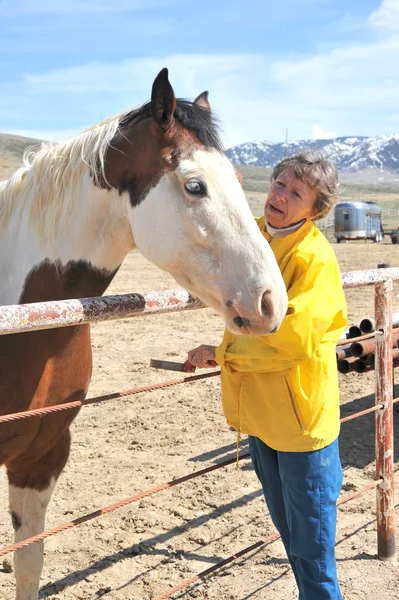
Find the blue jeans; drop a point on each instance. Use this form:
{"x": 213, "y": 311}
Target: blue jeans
{"x": 301, "y": 491}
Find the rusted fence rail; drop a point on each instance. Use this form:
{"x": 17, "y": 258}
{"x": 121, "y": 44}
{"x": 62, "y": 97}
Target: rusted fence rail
{"x": 68, "y": 313}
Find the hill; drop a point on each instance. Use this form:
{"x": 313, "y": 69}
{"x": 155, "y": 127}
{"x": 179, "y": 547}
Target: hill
{"x": 12, "y": 148}
{"x": 376, "y": 157}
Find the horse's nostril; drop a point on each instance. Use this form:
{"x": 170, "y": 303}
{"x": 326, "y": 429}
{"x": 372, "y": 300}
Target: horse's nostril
{"x": 242, "y": 322}
{"x": 265, "y": 306}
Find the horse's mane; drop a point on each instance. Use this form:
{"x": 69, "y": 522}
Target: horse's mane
{"x": 48, "y": 171}
{"x": 201, "y": 122}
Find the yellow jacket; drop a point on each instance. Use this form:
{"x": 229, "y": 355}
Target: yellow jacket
{"x": 283, "y": 388}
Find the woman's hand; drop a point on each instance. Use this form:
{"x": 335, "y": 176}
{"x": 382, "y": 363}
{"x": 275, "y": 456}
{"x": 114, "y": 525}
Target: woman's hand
{"x": 203, "y": 357}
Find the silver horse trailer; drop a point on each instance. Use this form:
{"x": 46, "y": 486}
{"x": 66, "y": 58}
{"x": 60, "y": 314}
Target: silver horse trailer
{"x": 358, "y": 221}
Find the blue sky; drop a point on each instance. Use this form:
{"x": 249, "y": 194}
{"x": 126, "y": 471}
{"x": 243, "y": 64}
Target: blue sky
{"x": 318, "y": 68}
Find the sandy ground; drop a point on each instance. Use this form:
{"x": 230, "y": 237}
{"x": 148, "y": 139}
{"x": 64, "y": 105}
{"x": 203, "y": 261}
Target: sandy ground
{"x": 124, "y": 446}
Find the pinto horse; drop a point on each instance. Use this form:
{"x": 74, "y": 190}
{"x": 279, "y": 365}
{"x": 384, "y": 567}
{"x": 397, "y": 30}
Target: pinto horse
{"x": 155, "y": 178}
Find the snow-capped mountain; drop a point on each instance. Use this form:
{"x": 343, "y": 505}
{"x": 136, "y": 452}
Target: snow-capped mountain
{"x": 348, "y": 153}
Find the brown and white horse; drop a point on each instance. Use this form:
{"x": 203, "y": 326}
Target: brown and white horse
{"x": 155, "y": 178}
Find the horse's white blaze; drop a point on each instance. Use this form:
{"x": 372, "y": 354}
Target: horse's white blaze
{"x": 29, "y": 506}
{"x": 212, "y": 245}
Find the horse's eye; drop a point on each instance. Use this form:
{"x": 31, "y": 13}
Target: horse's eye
{"x": 195, "y": 188}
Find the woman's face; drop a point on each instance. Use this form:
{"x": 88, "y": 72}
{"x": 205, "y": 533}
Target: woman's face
{"x": 289, "y": 201}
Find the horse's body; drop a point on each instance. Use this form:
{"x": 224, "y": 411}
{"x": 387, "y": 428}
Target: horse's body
{"x": 155, "y": 179}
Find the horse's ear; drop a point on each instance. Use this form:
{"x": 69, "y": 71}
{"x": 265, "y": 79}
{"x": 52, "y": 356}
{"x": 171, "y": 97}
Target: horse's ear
{"x": 202, "y": 100}
{"x": 239, "y": 176}
{"x": 163, "y": 100}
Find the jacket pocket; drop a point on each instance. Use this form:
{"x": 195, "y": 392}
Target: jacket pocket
{"x": 294, "y": 406}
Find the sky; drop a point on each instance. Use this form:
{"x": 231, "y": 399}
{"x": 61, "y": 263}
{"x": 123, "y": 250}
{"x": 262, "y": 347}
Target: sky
{"x": 312, "y": 68}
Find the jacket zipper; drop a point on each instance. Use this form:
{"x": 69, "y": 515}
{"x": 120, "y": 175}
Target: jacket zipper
{"x": 294, "y": 408}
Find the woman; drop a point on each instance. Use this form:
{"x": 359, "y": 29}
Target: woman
{"x": 282, "y": 389}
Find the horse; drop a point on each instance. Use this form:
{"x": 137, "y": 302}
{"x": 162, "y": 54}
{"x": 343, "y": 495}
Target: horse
{"x": 155, "y": 178}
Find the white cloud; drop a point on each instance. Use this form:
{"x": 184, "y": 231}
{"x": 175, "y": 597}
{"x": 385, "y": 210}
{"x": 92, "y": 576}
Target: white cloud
{"x": 319, "y": 134}
{"x": 349, "y": 87}
{"x": 353, "y": 78}
{"x": 353, "y": 89}
{"x": 386, "y": 17}
{"x": 187, "y": 71}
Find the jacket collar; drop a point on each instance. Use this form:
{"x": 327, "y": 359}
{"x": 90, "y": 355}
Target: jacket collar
{"x": 290, "y": 239}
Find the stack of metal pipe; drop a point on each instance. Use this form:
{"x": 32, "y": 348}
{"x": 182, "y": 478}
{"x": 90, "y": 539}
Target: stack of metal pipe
{"x": 359, "y": 356}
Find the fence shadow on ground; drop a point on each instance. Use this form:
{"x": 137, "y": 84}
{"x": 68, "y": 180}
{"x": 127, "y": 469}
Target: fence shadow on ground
{"x": 357, "y": 447}
{"x": 220, "y": 454}
{"x": 147, "y": 546}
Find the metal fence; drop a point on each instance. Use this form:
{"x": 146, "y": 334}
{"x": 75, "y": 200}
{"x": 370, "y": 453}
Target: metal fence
{"x": 47, "y": 315}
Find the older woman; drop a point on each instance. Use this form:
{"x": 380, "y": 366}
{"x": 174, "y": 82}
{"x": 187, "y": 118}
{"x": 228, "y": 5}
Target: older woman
{"x": 282, "y": 389}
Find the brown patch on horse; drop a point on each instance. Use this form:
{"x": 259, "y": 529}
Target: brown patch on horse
{"x": 36, "y": 472}
{"x": 44, "y": 368}
{"x": 137, "y": 172}
{"x": 54, "y": 281}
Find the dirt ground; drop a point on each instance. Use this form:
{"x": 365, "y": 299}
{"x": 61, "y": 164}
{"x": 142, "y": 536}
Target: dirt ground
{"x": 124, "y": 446}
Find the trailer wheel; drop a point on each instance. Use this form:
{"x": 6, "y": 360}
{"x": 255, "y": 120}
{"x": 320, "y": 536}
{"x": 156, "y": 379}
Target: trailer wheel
{"x": 394, "y": 239}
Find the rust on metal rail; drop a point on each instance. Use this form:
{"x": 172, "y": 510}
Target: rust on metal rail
{"x": 68, "y": 313}
{"x": 370, "y": 277}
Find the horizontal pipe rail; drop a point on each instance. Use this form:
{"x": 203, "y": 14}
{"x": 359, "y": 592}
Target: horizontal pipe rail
{"x": 68, "y": 313}
{"x": 370, "y": 277}
{"x": 368, "y": 346}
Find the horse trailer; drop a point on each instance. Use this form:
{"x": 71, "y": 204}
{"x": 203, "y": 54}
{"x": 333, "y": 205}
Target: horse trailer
{"x": 358, "y": 221}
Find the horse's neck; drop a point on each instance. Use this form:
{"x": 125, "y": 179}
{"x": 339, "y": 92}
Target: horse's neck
{"x": 96, "y": 229}
{"x": 78, "y": 259}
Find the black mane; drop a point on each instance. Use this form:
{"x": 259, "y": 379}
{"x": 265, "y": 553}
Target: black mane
{"x": 192, "y": 117}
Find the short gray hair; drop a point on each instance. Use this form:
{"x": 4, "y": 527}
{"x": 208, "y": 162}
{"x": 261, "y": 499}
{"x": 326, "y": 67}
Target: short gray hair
{"x": 318, "y": 172}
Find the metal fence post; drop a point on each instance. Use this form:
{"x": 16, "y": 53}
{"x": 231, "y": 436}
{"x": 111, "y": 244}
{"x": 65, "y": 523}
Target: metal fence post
{"x": 384, "y": 421}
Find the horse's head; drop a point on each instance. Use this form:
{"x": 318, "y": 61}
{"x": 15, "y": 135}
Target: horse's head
{"x": 188, "y": 212}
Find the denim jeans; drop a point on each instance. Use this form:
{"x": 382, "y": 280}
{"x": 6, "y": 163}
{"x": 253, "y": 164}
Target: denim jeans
{"x": 301, "y": 491}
